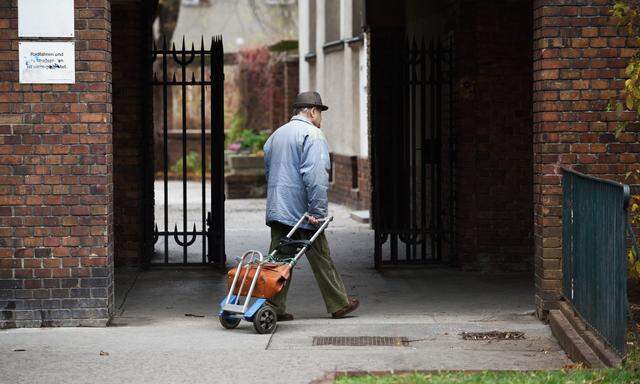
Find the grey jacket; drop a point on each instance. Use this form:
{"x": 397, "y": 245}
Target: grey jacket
{"x": 296, "y": 158}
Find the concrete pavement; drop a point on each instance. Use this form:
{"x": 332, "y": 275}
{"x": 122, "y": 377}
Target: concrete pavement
{"x": 153, "y": 341}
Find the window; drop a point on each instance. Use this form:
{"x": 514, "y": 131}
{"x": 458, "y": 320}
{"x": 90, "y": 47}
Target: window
{"x": 358, "y": 17}
{"x": 354, "y": 172}
{"x": 332, "y": 20}
{"x": 312, "y": 25}
{"x": 331, "y": 167}
{"x": 194, "y": 3}
{"x": 279, "y": 2}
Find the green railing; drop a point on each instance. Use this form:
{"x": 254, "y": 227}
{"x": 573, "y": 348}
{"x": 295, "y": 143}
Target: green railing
{"x": 594, "y": 221}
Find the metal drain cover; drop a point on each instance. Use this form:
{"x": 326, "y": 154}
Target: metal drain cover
{"x": 493, "y": 335}
{"x": 361, "y": 341}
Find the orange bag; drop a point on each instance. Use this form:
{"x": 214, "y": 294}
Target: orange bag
{"x": 270, "y": 281}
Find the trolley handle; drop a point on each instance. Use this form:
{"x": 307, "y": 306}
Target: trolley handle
{"x": 325, "y": 224}
{"x": 305, "y": 216}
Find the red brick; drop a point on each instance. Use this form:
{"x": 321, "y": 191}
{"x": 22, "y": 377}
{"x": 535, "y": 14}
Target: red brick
{"x": 596, "y": 47}
{"x": 41, "y": 152}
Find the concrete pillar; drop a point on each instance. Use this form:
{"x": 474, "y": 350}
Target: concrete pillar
{"x": 320, "y": 41}
{"x": 349, "y": 117}
{"x": 303, "y": 42}
{"x": 363, "y": 89}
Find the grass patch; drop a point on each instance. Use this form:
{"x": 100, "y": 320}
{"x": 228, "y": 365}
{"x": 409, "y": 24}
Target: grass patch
{"x": 629, "y": 373}
{"x": 551, "y": 377}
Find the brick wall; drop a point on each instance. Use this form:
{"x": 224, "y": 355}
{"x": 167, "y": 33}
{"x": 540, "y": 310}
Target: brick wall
{"x": 342, "y": 189}
{"x": 281, "y": 81}
{"x": 577, "y": 57}
{"x": 291, "y": 85}
{"x": 131, "y": 131}
{"x": 56, "y": 242}
{"x": 492, "y": 112}
{"x": 277, "y": 106}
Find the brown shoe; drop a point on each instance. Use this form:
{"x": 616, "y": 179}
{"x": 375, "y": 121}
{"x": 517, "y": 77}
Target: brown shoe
{"x": 285, "y": 317}
{"x": 342, "y": 312}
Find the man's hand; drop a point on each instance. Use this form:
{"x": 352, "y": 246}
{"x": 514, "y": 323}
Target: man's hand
{"x": 313, "y": 220}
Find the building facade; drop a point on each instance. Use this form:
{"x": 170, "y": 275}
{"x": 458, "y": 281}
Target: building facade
{"x": 334, "y": 61}
{"x": 528, "y": 94}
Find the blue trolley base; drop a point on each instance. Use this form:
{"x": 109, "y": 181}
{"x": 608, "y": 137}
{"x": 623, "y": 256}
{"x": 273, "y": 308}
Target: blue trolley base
{"x": 248, "y": 315}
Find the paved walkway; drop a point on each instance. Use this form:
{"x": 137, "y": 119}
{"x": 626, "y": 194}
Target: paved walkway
{"x": 152, "y": 339}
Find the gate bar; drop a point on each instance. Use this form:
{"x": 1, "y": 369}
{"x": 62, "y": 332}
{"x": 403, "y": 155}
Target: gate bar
{"x": 183, "y": 89}
{"x": 413, "y": 190}
{"x": 438, "y": 113}
{"x": 203, "y": 154}
{"x": 424, "y": 154}
{"x": 165, "y": 138}
{"x": 432, "y": 148}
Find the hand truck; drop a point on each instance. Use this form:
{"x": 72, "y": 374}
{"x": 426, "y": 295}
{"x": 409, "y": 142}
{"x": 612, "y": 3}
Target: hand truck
{"x": 235, "y": 306}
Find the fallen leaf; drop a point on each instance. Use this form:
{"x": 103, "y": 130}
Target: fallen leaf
{"x": 493, "y": 335}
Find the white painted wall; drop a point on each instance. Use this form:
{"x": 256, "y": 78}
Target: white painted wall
{"x": 363, "y": 91}
{"x": 341, "y": 77}
{"x": 303, "y": 43}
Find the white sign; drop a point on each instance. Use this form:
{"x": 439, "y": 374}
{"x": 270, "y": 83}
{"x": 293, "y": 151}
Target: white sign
{"x": 45, "y": 18}
{"x": 47, "y": 62}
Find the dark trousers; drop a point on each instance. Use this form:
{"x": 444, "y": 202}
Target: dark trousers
{"x": 319, "y": 256}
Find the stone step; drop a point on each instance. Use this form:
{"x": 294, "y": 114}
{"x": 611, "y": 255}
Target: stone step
{"x": 571, "y": 341}
{"x": 604, "y": 352}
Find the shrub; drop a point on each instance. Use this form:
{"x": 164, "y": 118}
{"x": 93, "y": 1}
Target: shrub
{"x": 193, "y": 164}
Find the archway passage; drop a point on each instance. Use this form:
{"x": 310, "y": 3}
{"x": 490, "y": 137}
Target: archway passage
{"x": 68, "y": 264}
{"x": 75, "y": 174}
{"x": 148, "y": 76}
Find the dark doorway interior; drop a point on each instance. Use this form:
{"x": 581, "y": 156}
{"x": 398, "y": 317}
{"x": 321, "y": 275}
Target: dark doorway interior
{"x": 484, "y": 176}
{"x": 132, "y": 129}
{"x": 413, "y": 190}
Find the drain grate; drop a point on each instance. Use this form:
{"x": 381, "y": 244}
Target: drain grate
{"x": 361, "y": 341}
{"x": 493, "y": 335}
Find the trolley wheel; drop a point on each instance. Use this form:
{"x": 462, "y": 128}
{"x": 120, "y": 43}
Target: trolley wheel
{"x": 229, "y": 322}
{"x": 264, "y": 321}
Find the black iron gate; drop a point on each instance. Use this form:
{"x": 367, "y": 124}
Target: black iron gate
{"x": 197, "y": 236}
{"x": 413, "y": 150}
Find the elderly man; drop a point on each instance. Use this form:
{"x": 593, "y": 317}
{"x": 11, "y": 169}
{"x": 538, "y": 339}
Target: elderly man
{"x": 297, "y": 162}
